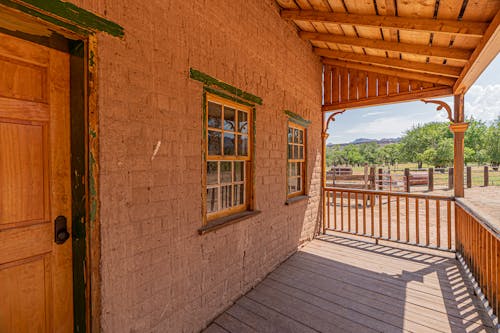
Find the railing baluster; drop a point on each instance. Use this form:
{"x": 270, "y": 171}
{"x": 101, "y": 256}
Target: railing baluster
{"x": 356, "y": 203}
{"x": 438, "y": 223}
{"x": 349, "y": 211}
{"x": 407, "y": 203}
{"x": 335, "y": 210}
{"x": 380, "y": 215}
{"x": 341, "y": 211}
{"x": 449, "y": 223}
{"x": 388, "y": 216}
{"x": 372, "y": 208}
{"x": 417, "y": 227}
{"x": 427, "y": 222}
{"x": 364, "y": 214}
{"x": 328, "y": 208}
{"x": 398, "y": 219}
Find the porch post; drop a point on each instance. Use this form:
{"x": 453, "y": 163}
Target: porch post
{"x": 324, "y": 136}
{"x": 458, "y": 127}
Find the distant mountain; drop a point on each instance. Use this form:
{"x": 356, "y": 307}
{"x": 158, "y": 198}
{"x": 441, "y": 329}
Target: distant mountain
{"x": 381, "y": 142}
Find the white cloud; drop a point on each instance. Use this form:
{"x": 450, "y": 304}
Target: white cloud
{"x": 371, "y": 114}
{"x": 483, "y": 102}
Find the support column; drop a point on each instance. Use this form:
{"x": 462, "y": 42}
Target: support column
{"x": 458, "y": 127}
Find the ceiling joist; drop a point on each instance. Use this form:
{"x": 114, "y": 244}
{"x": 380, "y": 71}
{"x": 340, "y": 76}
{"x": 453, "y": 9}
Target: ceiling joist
{"x": 413, "y": 66}
{"x": 454, "y": 27}
{"x": 425, "y": 50}
{"x": 436, "y": 79}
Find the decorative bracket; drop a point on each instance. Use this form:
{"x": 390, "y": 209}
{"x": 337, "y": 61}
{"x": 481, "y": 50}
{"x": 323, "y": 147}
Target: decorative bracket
{"x": 331, "y": 118}
{"x": 441, "y": 105}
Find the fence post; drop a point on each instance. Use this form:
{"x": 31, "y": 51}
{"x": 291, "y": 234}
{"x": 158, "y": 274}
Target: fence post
{"x": 366, "y": 176}
{"x": 372, "y": 178}
{"x": 407, "y": 180}
{"x": 486, "y": 176}
{"x": 469, "y": 177}
{"x": 380, "y": 179}
{"x": 450, "y": 178}
{"x": 431, "y": 179}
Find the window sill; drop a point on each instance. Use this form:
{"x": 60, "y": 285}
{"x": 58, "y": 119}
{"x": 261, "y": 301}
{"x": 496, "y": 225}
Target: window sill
{"x": 296, "y": 199}
{"x": 227, "y": 220}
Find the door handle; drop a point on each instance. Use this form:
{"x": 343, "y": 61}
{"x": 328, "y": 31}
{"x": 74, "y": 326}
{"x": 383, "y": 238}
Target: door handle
{"x": 61, "y": 233}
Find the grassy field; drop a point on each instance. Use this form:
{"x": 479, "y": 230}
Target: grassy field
{"x": 440, "y": 178}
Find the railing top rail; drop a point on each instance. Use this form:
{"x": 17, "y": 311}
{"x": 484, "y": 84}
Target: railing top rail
{"x": 479, "y": 218}
{"x": 399, "y": 194}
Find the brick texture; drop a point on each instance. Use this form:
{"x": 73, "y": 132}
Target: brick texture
{"x": 158, "y": 273}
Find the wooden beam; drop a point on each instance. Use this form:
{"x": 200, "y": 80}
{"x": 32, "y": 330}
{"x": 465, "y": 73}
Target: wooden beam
{"x": 381, "y": 100}
{"x": 414, "y": 66}
{"x": 436, "y": 79}
{"x": 485, "y": 52}
{"x": 453, "y": 27}
{"x": 425, "y": 50}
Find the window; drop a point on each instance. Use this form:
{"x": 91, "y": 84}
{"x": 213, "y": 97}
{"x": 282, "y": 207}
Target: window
{"x": 296, "y": 160}
{"x": 228, "y": 162}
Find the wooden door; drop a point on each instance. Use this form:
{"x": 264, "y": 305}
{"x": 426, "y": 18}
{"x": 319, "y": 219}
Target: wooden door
{"x": 35, "y": 272}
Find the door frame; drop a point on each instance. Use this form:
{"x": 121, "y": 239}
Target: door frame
{"x": 79, "y": 28}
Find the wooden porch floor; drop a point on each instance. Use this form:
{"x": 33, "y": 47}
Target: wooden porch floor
{"x": 335, "y": 284}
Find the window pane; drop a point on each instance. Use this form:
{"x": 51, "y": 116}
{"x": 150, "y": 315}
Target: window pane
{"x": 243, "y": 122}
{"x": 292, "y": 185}
{"x": 229, "y": 121}
{"x": 214, "y": 115}
{"x": 299, "y": 169}
{"x": 243, "y": 145}
{"x": 290, "y": 152}
{"x": 229, "y": 144}
{"x": 212, "y": 173}
{"x": 212, "y": 200}
{"x": 292, "y": 169}
{"x": 239, "y": 194}
{"x": 225, "y": 172}
{"x": 239, "y": 171}
{"x": 290, "y": 135}
{"x": 214, "y": 145}
{"x": 299, "y": 184}
{"x": 295, "y": 152}
{"x": 226, "y": 196}
{"x": 301, "y": 136}
{"x": 295, "y": 135}
{"x": 301, "y": 152}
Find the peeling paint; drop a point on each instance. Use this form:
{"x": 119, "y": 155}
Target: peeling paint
{"x": 71, "y": 17}
{"x": 210, "y": 81}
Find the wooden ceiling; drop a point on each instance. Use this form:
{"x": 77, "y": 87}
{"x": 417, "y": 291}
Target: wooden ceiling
{"x": 382, "y": 51}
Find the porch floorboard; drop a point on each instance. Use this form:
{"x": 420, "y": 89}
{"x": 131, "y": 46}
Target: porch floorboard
{"x": 335, "y": 284}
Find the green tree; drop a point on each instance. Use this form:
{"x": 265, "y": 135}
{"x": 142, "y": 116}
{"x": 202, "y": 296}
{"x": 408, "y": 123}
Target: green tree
{"x": 390, "y": 154}
{"x": 475, "y": 137}
{"x": 492, "y": 141}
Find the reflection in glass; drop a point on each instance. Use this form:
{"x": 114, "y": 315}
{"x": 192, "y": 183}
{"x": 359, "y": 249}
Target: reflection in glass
{"x": 292, "y": 185}
{"x": 243, "y": 145}
{"x": 301, "y": 137}
{"x": 292, "y": 169}
{"x": 295, "y": 152}
{"x": 229, "y": 144}
{"x": 301, "y": 152}
{"x": 295, "y": 135}
{"x": 290, "y": 135}
{"x": 243, "y": 122}
{"x": 299, "y": 184}
{"x": 212, "y": 200}
{"x": 214, "y": 143}
{"x": 226, "y": 196}
{"x": 229, "y": 119}
{"x": 290, "y": 152}
{"x": 225, "y": 172}
{"x": 212, "y": 173}
{"x": 214, "y": 115}
{"x": 239, "y": 171}
{"x": 239, "y": 194}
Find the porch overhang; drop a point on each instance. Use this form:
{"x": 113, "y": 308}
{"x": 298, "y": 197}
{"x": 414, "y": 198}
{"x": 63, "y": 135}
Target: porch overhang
{"x": 379, "y": 52}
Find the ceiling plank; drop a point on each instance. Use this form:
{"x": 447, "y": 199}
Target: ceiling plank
{"x": 455, "y": 27}
{"x": 431, "y": 51}
{"x": 482, "y": 56}
{"x": 391, "y": 62}
{"x": 381, "y": 100}
{"x": 436, "y": 79}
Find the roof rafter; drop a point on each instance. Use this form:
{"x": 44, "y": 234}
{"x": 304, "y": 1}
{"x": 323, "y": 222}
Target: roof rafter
{"x": 425, "y": 50}
{"x": 413, "y": 66}
{"x": 436, "y": 79}
{"x": 471, "y": 29}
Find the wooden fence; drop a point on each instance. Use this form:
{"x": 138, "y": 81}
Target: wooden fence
{"x": 417, "y": 219}
{"x": 478, "y": 245}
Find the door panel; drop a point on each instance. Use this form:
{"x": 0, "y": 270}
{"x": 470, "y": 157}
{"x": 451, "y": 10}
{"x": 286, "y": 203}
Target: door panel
{"x": 35, "y": 272}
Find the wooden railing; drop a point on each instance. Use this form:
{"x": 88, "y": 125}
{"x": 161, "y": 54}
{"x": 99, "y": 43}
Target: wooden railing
{"x": 417, "y": 219}
{"x": 478, "y": 245}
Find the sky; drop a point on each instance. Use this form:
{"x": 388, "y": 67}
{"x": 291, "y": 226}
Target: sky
{"x": 390, "y": 121}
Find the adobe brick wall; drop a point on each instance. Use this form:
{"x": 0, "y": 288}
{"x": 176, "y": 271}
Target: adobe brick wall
{"x": 158, "y": 273}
